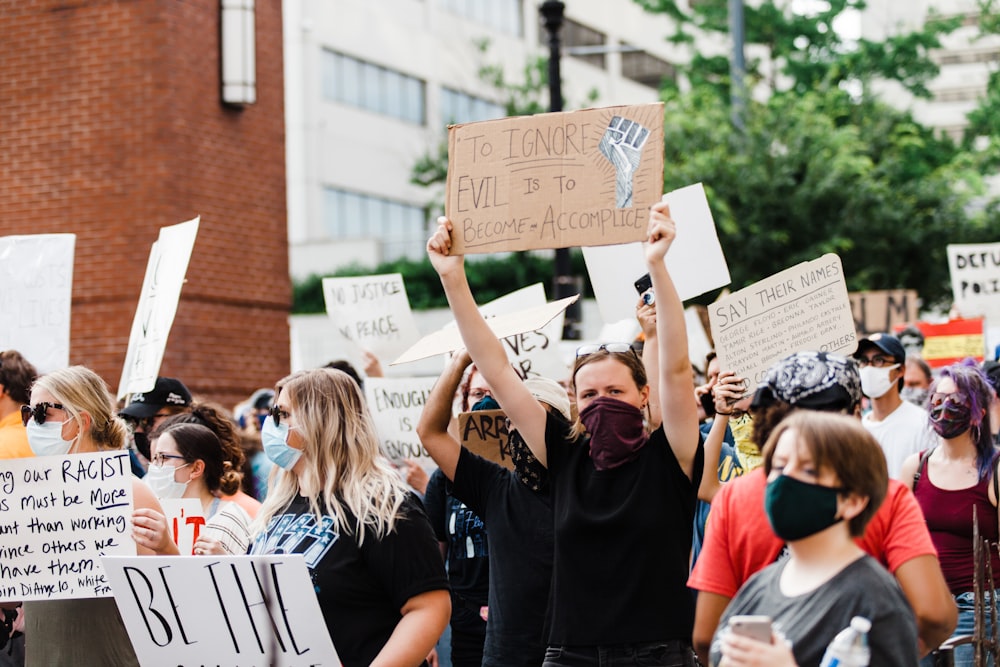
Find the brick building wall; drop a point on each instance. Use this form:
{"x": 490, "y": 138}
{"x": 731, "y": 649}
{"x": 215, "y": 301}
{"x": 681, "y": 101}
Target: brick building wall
{"x": 111, "y": 126}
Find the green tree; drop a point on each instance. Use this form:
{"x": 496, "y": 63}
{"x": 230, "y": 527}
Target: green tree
{"x": 803, "y": 51}
{"x": 822, "y": 172}
{"x": 819, "y": 169}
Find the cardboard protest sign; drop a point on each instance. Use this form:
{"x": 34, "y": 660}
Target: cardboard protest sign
{"x": 801, "y": 308}
{"x": 532, "y": 353}
{"x": 372, "y": 311}
{"x": 395, "y": 404}
{"x": 449, "y": 339}
{"x": 185, "y": 517}
{"x": 485, "y": 432}
{"x": 231, "y": 611}
{"x": 695, "y": 258}
{"x": 161, "y": 290}
{"x": 879, "y": 311}
{"x": 949, "y": 342}
{"x": 975, "y": 278}
{"x": 58, "y": 516}
{"x": 36, "y": 288}
{"x": 554, "y": 180}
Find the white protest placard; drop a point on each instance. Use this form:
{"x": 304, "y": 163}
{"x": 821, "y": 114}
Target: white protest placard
{"x": 975, "y": 279}
{"x": 805, "y": 307}
{"x": 372, "y": 311}
{"x": 449, "y": 339}
{"x": 695, "y": 258}
{"x": 36, "y": 289}
{"x": 161, "y": 290}
{"x": 532, "y": 353}
{"x": 230, "y": 611}
{"x": 395, "y": 404}
{"x": 58, "y": 516}
{"x": 185, "y": 518}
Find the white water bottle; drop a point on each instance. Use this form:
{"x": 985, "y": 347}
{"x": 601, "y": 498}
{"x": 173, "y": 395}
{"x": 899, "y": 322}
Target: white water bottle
{"x": 850, "y": 647}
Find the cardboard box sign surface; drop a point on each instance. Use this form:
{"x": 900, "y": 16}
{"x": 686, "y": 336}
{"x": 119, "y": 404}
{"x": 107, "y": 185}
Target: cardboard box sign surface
{"x": 578, "y": 178}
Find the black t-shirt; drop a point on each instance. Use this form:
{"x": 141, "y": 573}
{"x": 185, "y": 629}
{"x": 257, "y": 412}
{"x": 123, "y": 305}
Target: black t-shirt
{"x": 623, "y": 538}
{"x": 519, "y": 521}
{"x": 467, "y": 551}
{"x": 361, "y": 589}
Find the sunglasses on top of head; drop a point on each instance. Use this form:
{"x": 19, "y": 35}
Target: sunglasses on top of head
{"x": 617, "y": 348}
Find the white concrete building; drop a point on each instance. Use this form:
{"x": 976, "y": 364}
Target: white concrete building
{"x": 965, "y": 59}
{"x": 372, "y": 84}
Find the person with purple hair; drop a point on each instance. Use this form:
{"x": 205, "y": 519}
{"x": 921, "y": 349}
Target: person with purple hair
{"x": 954, "y": 477}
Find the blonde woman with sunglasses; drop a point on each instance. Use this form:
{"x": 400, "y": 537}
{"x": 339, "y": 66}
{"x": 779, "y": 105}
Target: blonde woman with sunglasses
{"x": 623, "y": 499}
{"x": 71, "y": 412}
{"x": 369, "y": 547}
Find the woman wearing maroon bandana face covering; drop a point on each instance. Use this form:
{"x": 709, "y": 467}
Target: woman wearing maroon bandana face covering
{"x": 623, "y": 500}
{"x": 951, "y": 479}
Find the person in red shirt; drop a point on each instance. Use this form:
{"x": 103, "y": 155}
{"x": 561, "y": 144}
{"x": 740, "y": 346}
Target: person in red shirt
{"x": 739, "y": 541}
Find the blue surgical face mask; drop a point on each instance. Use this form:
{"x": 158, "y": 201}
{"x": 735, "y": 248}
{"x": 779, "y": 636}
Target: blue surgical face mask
{"x": 274, "y": 438}
{"x": 46, "y": 439}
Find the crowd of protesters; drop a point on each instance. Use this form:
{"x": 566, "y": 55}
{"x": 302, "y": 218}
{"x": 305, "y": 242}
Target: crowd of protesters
{"x": 643, "y": 512}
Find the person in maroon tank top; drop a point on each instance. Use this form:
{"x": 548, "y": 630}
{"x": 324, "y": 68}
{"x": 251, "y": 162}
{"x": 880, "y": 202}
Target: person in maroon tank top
{"x": 955, "y": 477}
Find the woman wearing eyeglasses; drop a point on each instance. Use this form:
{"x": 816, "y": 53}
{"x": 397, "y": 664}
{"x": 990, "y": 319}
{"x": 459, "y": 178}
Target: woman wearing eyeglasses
{"x": 955, "y": 477}
{"x": 71, "y": 412}
{"x": 623, "y": 500}
{"x": 189, "y": 461}
{"x": 370, "y": 550}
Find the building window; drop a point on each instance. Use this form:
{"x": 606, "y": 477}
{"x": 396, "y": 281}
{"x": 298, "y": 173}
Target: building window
{"x": 401, "y": 228}
{"x": 372, "y": 87}
{"x": 646, "y": 69}
{"x": 501, "y": 15}
{"x": 457, "y": 107}
{"x": 579, "y": 41}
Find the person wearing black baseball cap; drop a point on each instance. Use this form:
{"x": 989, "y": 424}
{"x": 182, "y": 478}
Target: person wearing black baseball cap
{"x": 147, "y": 410}
{"x": 900, "y": 427}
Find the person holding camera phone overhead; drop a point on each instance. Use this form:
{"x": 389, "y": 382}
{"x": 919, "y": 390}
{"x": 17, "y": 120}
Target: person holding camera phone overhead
{"x": 826, "y": 479}
{"x": 623, "y": 500}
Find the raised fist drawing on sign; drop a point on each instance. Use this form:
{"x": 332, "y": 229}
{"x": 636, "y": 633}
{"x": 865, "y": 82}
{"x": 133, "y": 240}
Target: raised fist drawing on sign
{"x": 622, "y": 145}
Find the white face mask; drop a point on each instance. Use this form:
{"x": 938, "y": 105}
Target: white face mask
{"x": 875, "y": 382}
{"x": 914, "y": 395}
{"x": 161, "y": 480}
{"x": 46, "y": 439}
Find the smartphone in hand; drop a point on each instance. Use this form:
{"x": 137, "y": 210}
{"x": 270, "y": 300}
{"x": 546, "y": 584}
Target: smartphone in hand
{"x": 644, "y": 286}
{"x": 755, "y": 627}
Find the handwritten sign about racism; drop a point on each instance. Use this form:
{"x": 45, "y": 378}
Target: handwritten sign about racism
{"x": 58, "y": 516}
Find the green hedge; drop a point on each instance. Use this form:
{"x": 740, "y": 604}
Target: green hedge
{"x": 489, "y": 278}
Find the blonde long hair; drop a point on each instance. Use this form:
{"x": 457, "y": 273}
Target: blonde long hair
{"x": 80, "y": 390}
{"x": 343, "y": 462}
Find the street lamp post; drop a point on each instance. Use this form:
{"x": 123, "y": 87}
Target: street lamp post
{"x": 565, "y": 283}
{"x": 737, "y": 65}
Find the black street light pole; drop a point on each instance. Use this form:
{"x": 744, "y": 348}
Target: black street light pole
{"x": 737, "y": 65}
{"x": 565, "y": 284}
